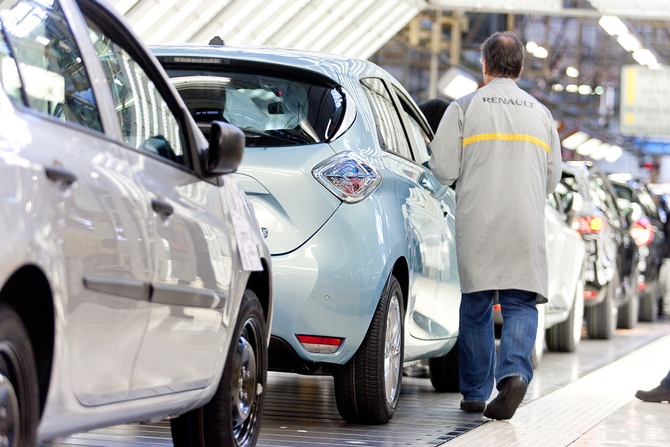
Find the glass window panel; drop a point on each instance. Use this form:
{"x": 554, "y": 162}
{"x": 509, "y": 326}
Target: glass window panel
{"x": 9, "y": 72}
{"x": 271, "y": 110}
{"x": 146, "y": 121}
{"x": 51, "y": 66}
{"x": 388, "y": 121}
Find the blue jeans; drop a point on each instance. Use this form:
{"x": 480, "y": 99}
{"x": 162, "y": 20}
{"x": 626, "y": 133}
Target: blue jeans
{"x": 476, "y": 340}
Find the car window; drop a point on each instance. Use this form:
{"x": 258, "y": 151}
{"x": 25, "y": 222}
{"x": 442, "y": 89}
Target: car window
{"x": 50, "y": 64}
{"x": 416, "y": 132}
{"x": 146, "y": 120}
{"x": 551, "y": 201}
{"x": 9, "y": 72}
{"x": 647, "y": 201}
{"x": 271, "y": 110}
{"x": 606, "y": 201}
{"x": 388, "y": 122}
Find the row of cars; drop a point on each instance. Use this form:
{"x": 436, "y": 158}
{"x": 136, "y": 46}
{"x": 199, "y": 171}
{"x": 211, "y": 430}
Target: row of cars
{"x": 149, "y": 272}
{"x": 607, "y": 237}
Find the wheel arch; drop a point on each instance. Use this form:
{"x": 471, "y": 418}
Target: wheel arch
{"x": 29, "y": 293}
{"x": 261, "y": 284}
{"x": 401, "y": 273}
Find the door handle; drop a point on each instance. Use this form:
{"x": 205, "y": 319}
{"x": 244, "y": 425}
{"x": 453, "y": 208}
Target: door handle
{"x": 162, "y": 207}
{"x": 60, "y": 175}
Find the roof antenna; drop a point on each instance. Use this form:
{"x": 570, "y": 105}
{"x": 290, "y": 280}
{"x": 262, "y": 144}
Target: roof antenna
{"x": 216, "y": 40}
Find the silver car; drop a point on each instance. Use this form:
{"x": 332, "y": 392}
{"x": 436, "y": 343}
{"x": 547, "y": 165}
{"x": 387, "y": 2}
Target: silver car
{"x": 134, "y": 282}
{"x": 561, "y": 319}
{"x": 361, "y": 234}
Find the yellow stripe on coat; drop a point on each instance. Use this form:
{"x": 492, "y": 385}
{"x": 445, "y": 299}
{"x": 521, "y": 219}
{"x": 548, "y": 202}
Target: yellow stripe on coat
{"x": 506, "y": 137}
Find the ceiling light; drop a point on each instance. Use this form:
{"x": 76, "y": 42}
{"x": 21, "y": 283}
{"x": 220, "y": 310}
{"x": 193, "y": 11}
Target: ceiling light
{"x": 557, "y": 87}
{"x": 572, "y": 72}
{"x": 572, "y": 88}
{"x": 613, "y": 25}
{"x": 531, "y": 46}
{"x": 540, "y": 52}
{"x": 574, "y": 140}
{"x": 589, "y": 146}
{"x": 644, "y": 57}
{"x": 599, "y": 90}
{"x": 456, "y": 83}
{"x": 585, "y": 89}
{"x": 599, "y": 152}
{"x": 629, "y": 42}
{"x": 613, "y": 154}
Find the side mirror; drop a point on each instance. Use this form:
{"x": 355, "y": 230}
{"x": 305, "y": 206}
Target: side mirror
{"x": 226, "y": 146}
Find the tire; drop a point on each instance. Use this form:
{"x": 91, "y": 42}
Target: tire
{"x": 19, "y": 389}
{"x": 565, "y": 336}
{"x": 367, "y": 387}
{"x": 649, "y": 305}
{"x": 443, "y": 372}
{"x": 601, "y": 319}
{"x": 538, "y": 347}
{"x": 233, "y": 416}
{"x": 628, "y": 313}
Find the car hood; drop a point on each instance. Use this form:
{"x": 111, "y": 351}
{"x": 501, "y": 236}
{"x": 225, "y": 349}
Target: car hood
{"x": 289, "y": 203}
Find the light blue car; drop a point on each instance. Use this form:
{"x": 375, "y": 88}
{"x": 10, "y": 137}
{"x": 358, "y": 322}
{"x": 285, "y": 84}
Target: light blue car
{"x": 361, "y": 234}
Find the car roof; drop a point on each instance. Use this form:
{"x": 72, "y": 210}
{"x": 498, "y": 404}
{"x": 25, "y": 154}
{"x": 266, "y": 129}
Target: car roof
{"x": 333, "y": 66}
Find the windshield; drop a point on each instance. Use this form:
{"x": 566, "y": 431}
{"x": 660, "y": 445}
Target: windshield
{"x": 272, "y": 111}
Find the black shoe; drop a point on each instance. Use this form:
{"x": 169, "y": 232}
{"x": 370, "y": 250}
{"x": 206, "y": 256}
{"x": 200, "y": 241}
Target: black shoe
{"x": 473, "y": 406}
{"x": 512, "y": 391}
{"x": 658, "y": 394}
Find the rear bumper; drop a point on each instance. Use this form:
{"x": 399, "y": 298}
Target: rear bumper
{"x": 331, "y": 285}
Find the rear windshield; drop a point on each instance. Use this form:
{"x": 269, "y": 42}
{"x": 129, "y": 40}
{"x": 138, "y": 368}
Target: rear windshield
{"x": 272, "y": 111}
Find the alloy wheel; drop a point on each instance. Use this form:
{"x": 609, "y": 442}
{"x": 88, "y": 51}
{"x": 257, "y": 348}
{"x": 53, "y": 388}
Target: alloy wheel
{"x": 392, "y": 349}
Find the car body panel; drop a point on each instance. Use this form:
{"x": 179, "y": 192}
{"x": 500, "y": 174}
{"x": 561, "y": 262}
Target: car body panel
{"x": 279, "y": 194}
{"x": 565, "y": 260}
{"x": 611, "y": 254}
{"x": 76, "y": 209}
{"x": 636, "y": 202}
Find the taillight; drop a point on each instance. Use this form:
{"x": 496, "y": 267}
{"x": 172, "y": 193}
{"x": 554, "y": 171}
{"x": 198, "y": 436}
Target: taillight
{"x": 320, "y": 345}
{"x": 348, "y": 176}
{"x": 588, "y": 224}
{"x": 642, "y": 232}
{"x": 590, "y": 294}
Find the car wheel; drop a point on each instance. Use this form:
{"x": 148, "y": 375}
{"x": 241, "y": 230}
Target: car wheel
{"x": 19, "y": 401}
{"x": 601, "y": 319}
{"x": 565, "y": 336}
{"x": 628, "y": 313}
{"x": 649, "y": 305}
{"x": 367, "y": 387}
{"x": 233, "y": 416}
{"x": 538, "y": 347}
{"x": 444, "y": 373}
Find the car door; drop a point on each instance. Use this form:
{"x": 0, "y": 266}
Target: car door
{"x": 561, "y": 256}
{"x": 189, "y": 226}
{"x": 97, "y": 212}
{"x": 422, "y": 213}
{"x": 446, "y": 301}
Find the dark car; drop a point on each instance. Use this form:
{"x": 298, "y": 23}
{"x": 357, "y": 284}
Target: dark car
{"x": 647, "y": 230}
{"x": 611, "y": 297}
